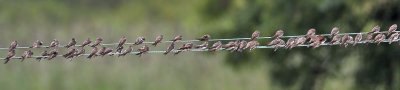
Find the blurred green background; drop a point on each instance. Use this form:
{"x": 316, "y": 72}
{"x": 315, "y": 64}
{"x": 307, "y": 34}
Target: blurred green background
{"x": 363, "y": 67}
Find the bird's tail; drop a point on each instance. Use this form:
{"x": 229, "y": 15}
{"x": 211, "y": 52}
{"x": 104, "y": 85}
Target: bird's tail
{"x": 7, "y": 60}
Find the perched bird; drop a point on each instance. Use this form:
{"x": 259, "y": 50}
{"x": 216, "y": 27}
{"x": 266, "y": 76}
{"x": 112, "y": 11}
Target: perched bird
{"x": 376, "y": 29}
{"x": 216, "y": 46}
{"x": 318, "y": 41}
{"x": 392, "y": 29}
{"x": 159, "y": 38}
{"x": 255, "y": 35}
{"x": 26, "y": 54}
{"x": 344, "y": 39}
{"x": 204, "y": 37}
{"x": 336, "y": 39}
{"x": 128, "y": 50}
{"x": 230, "y": 45}
{"x": 310, "y": 33}
{"x": 143, "y": 50}
{"x": 334, "y": 32}
{"x": 52, "y": 54}
{"x": 44, "y": 54}
{"x": 177, "y": 38}
{"x": 107, "y": 51}
{"x": 357, "y": 39}
{"x": 242, "y": 45}
{"x": 370, "y": 38}
{"x": 9, "y": 56}
{"x": 13, "y": 45}
{"x": 70, "y": 53}
{"x": 251, "y": 45}
{"x": 54, "y": 43}
{"x": 93, "y": 52}
{"x": 121, "y": 42}
{"x": 36, "y": 44}
{"x": 277, "y": 43}
{"x": 71, "y": 43}
{"x": 202, "y": 46}
{"x": 119, "y": 49}
{"x": 170, "y": 48}
{"x": 394, "y": 37}
{"x": 290, "y": 43}
{"x": 184, "y": 47}
{"x": 97, "y": 42}
{"x": 278, "y": 34}
{"x": 79, "y": 52}
{"x": 379, "y": 38}
{"x": 300, "y": 41}
{"x": 86, "y": 42}
{"x": 139, "y": 41}
{"x": 101, "y": 51}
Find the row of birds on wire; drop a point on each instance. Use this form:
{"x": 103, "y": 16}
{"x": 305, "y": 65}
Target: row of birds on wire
{"x": 310, "y": 38}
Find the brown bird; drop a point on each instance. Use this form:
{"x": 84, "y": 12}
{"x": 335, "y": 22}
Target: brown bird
{"x": 139, "y": 41}
{"x": 36, "y": 44}
{"x": 336, "y": 39}
{"x": 290, "y": 43}
{"x": 129, "y": 50}
{"x": 204, "y": 37}
{"x": 43, "y": 55}
{"x": 392, "y": 29}
{"x": 230, "y": 45}
{"x": 101, "y": 51}
{"x": 52, "y": 54}
{"x": 184, "y": 47}
{"x": 241, "y": 46}
{"x": 170, "y": 48}
{"x": 54, "y": 43}
{"x": 143, "y": 50}
{"x": 119, "y": 49}
{"x": 202, "y": 46}
{"x": 79, "y": 52}
{"x": 277, "y": 43}
{"x": 379, "y": 38}
{"x": 27, "y": 54}
{"x": 370, "y": 37}
{"x": 344, "y": 39}
{"x": 394, "y": 37}
{"x": 216, "y": 46}
{"x": 86, "y": 42}
{"x": 9, "y": 56}
{"x": 251, "y": 45}
{"x": 334, "y": 32}
{"x": 71, "y": 43}
{"x": 97, "y": 42}
{"x": 177, "y": 38}
{"x": 278, "y": 34}
{"x": 300, "y": 41}
{"x": 255, "y": 35}
{"x": 376, "y": 29}
{"x": 121, "y": 42}
{"x": 310, "y": 33}
{"x": 357, "y": 39}
{"x": 318, "y": 41}
{"x": 107, "y": 51}
{"x": 13, "y": 45}
{"x": 70, "y": 53}
{"x": 93, "y": 53}
{"x": 159, "y": 38}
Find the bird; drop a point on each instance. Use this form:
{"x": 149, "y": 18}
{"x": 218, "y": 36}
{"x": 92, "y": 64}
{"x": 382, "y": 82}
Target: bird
{"x": 278, "y": 34}
{"x": 44, "y": 54}
{"x": 79, "y": 52}
{"x": 300, "y": 41}
{"x": 121, "y": 42}
{"x": 54, "y": 43}
{"x": 370, "y": 37}
{"x": 242, "y": 44}
{"x": 216, "y": 46}
{"x": 357, "y": 39}
{"x": 310, "y": 33}
{"x": 255, "y": 35}
{"x": 52, "y": 54}
{"x": 126, "y": 51}
{"x": 290, "y": 42}
{"x": 26, "y": 54}
{"x": 336, "y": 39}
{"x": 86, "y": 42}
{"x": 97, "y": 42}
{"x": 170, "y": 48}
{"x": 177, "y": 38}
{"x": 71, "y": 43}
{"x": 204, "y": 37}
{"x": 230, "y": 45}
{"x": 202, "y": 46}
{"x": 379, "y": 38}
{"x": 14, "y": 44}
{"x": 184, "y": 47}
{"x": 9, "y": 56}
{"x": 139, "y": 41}
{"x": 158, "y": 39}
{"x": 70, "y": 53}
{"x": 107, "y": 51}
{"x": 375, "y": 29}
{"x": 276, "y": 43}
{"x": 101, "y": 51}
{"x": 36, "y": 44}
{"x": 93, "y": 52}
{"x": 392, "y": 29}
{"x": 251, "y": 45}
{"x": 119, "y": 49}
{"x": 144, "y": 49}
{"x": 394, "y": 37}
{"x": 344, "y": 39}
{"x": 317, "y": 41}
{"x": 335, "y": 31}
